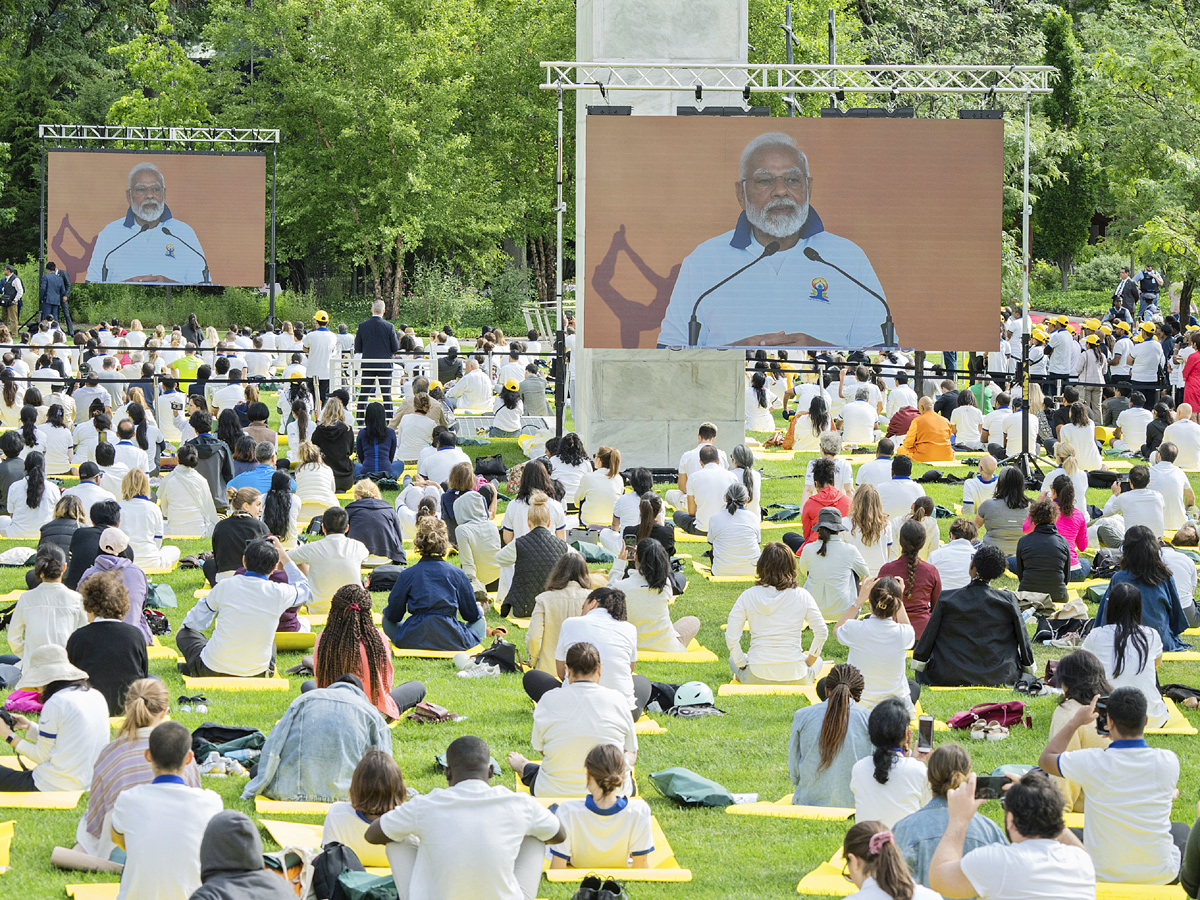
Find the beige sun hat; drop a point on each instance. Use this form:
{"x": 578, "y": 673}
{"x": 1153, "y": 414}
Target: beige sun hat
{"x": 46, "y": 665}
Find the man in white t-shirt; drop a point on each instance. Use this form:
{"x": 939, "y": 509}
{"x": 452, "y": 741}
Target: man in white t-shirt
{"x": 1183, "y": 569}
{"x": 1185, "y": 435}
{"x": 568, "y": 722}
{"x": 1044, "y": 861}
{"x": 848, "y": 390}
{"x": 690, "y": 463}
{"x": 231, "y": 394}
{"x": 705, "y": 492}
{"x": 1012, "y": 425}
{"x": 991, "y": 432}
{"x": 1130, "y": 787}
{"x": 901, "y": 491}
{"x": 476, "y": 841}
{"x": 160, "y": 825}
{"x": 1171, "y": 481}
{"x": 88, "y": 490}
{"x": 843, "y": 479}
{"x": 953, "y": 560}
{"x": 1131, "y": 425}
{"x": 321, "y": 346}
{"x": 805, "y": 392}
{"x": 1139, "y": 505}
{"x": 858, "y": 420}
{"x": 331, "y": 562}
{"x": 435, "y": 467}
{"x": 900, "y": 396}
{"x": 878, "y": 470}
{"x": 980, "y": 487}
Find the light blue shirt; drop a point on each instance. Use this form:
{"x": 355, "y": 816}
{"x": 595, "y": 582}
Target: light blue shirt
{"x": 150, "y": 252}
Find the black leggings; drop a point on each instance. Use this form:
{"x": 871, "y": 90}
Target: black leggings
{"x": 914, "y": 690}
{"x": 12, "y": 781}
{"x": 793, "y": 540}
{"x": 536, "y": 683}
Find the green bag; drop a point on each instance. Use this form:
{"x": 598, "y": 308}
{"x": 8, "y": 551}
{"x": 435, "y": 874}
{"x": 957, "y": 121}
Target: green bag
{"x": 160, "y": 596}
{"x": 364, "y": 886}
{"x": 593, "y": 553}
{"x": 689, "y": 789}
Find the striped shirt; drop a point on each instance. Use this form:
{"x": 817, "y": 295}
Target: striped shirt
{"x": 120, "y": 766}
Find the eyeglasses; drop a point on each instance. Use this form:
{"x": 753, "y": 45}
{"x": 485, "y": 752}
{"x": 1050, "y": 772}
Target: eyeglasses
{"x": 141, "y": 190}
{"x": 793, "y": 180}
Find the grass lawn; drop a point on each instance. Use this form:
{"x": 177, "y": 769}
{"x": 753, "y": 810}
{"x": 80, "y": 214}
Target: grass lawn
{"x": 746, "y": 750}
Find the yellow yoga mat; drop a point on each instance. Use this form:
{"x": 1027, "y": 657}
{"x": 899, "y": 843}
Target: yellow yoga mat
{"x": 106, "y": 891}
{"x": 1082, "y": 586}
{"x": 827, "y": 879}
{"x": 682, "y": 536}
{"x": 319, "y": 620}
{"x": 10, "y": 762}
{"x": 695, "y": 653}
{"x": 236, "y": 684}
{"x": 11, "y": 597}
{"x": 784, "y": 809}
{"x": 706, "y": 572}
{"x": 436, "y": 654}
{"x": 201, "y": 593}
{"x": 293, "y": 834}
{"x": 774, "y": 455}
{"x": 6, "y": 836}
{"x": 662, "y": 865}
{"x": 373, "y": 561}
{"x": 295, "y": 640}
{"x": 186, "y": 537}
{"x": 646, "y": 725}
{"x": 520, "y": 623}
{"x": 292, "y": 807}
{"x": 158, "y": 570}
{"x": 735, "y": 689}
{"x": 1181, "y": 655}
{"x": 40, "y": 799}
{"x": 1176, "y": 724}
{"x": 1110, "y": 891}
{"x": 966, "y": 687}
{"x": 156, "y": 650}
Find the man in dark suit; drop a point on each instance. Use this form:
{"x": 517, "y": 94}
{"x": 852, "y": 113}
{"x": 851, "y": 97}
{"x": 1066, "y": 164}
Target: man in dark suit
{"x": 1127, "y": 291}
{"x": 53, "y": 292}
{"x": 376, "y": 342}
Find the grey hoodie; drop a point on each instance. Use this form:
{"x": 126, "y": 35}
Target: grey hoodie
{"x": 478, "y": 540}
{"x": 231, "y": 862}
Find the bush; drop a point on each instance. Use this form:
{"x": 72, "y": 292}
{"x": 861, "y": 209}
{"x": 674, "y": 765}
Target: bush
{"x": 510, "y": 290}
{"x": 1071, "y": 303}
{"x": 438, "y": 297}
{"x": 1100, "y": 273}
{"x": 1044, "y": 276}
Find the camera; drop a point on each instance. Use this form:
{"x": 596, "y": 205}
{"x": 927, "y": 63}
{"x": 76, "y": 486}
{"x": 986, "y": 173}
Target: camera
{"x": 8, "y": 719}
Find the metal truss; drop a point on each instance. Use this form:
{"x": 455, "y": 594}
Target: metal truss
{"x": 158, "y": 134}
{"x": 799, "y": 79}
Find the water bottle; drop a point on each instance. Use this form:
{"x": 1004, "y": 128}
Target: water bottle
{"x": 243, "y": 754}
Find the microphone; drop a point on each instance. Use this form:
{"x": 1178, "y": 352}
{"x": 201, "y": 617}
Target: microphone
{"x": 888, "y": 327}
{"x": 694, "y": 324}
{"x": 104, "y": 265}
{"x": 204, "y": 279}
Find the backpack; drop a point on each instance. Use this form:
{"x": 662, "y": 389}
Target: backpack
{"x": 503, "y": 654}
{"x": 156, "y": 622}
{"x": 329, "y": 866}
{"x": 383, "y": 578}
{"x": 1006, "y": 714}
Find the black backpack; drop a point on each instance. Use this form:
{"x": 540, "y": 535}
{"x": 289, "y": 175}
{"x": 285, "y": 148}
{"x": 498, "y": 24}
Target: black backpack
{"x": 329, "y": 866}
{"x": 383, "y": 578}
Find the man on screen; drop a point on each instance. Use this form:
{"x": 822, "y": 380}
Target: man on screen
{"x": 788, "y": 298}
{"x": 148, "y": 244}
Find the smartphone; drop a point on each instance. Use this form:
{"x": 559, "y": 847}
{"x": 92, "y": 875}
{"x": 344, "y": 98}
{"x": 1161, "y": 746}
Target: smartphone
{"x": 630, "y": 541}
{"x": 990, "y": 787}
{"x": 1102, "y": 716}
{"x": 924, "y": 734}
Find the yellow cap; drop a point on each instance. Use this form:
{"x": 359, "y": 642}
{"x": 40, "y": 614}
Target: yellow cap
{"x": 1122, "y": 325}
{"x": 1192, "y": 328}
{"x": 1139, "y": 338}
{"x": 512, "y": 385}
{"x": 1092, "y": 340}
{"x": 1148, "y": 327}
{"x": 434, "y": 385}
{"x": 321, "y": 317}
{"x": 1039, "y": 333}
{"x": 1092, "y": 324}
{"x": 1062, "y": 320}
{"x": 1106, "y": 329}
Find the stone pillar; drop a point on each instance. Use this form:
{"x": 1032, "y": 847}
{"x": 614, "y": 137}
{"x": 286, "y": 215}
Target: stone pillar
{"x": 649, "y": 403}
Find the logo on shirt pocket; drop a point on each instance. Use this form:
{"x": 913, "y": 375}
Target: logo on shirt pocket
{"x": 170, "y": 251}
{"x": 820, "y": 289}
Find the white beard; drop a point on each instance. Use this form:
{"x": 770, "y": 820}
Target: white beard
{"x": 148, "y": 211}
{"x": 778, "y": 226}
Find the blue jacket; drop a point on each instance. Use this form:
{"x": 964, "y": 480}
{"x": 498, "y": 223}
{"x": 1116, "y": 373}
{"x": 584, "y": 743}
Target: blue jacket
{"x": 1160, "y": 609}
{"x": 376, "y": 339}
{"x": 54, "y": 288}
{"x": 433, "y": 593}
{"x": 311, "y": 752}
{"x": 375, "y": 456}
{"x": 918, "y": 834}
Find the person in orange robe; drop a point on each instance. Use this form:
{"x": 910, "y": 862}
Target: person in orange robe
{"x": 928, "y": 438}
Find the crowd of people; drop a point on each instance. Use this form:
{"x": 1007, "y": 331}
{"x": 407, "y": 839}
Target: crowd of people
{"x": 165, "y": 450}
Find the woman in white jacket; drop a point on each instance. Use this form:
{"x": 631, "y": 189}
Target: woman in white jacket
{"x": 314, "y": 482}
{"x": 776, "y": 611}
{"x": 645, "y": 581}
{"x": 142, "y": 521}
{"x": 185, "y": 498}
{"x": 831, "y": 564}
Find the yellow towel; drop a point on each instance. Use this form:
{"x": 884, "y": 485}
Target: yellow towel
{"x": 695, "y": 653}
{"x": 105, "y": 891}
{"x": 40, "y": 799}
{"x": 706, "y": 572}
{"x": 436, "y": 654}
{"x": 293, "y": 807}
{"x": 784, "y": 809}
{"x": 236, "y": 684}
{"x": 1110, "y": 891}
{"x": 662, "y": 865}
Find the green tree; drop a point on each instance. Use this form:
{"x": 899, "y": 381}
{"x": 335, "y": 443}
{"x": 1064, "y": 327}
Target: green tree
{"x": 1066, "y": 205}
{"x": 167, "y": 85}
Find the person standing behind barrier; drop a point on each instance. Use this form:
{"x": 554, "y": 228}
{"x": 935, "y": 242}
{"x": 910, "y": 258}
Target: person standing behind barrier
{"x": 376, "y": 342}
{"x": 53, "y": 290}
{"x": 322, "y": 348}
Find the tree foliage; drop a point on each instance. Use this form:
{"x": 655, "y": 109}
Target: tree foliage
{"x": 167, "y": 85}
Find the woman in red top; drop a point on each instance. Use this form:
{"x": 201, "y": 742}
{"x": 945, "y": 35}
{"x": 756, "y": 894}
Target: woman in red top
{"x": 1071, "y": 524}
{"x": 922, "y": 581}
{"x": 824, "y": 477}
{"x": 352, "y": 645}
{"x": 1191, "y": 373}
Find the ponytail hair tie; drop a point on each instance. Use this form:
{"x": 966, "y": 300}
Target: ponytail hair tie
{"x": 878, "y": 840}
{"x": 355, "y": 607}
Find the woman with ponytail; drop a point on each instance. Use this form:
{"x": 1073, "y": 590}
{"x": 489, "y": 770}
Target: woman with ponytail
{"x": 759, "y": 403}
{"x": 891, "y": 782}
{"x": 123, "y": 764}
{"x": 922, "y": 581}
{"x": 32, "y": 437}
{"x": 10, "y": 403}
{"x": 922, "y": 511}
{"x": 876, "y": 866}
{"x": 811, "y": 423}
{"x": 879, "y": 644}
{"x": 605, "y": 830}
{"x": 828, "y": 738}
{"x": 59, "y": 442}
{"x": 600, "y": 488}
{"x": 31, "y": 501}
{"x": 1071, "y": 524}
{"x": 651, "y": 524}
{"x": 918, "y": 834}
{"x": 830, "y": 565}
{"x": 736, "y": 535}
{"x": 742, "y": 460}
{"x": 351, "y": 644}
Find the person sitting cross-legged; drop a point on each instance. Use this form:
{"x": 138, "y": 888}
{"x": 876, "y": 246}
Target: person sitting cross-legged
{"x": 335, "y": 560}
{"x": 976, "y": 634}
{"x": 247, "y": 610}
{"x": 568, "y": 721}
{"x": 827, "y": 739}
{"x": 470, "y": 833}
{"x": 1130, "y": 788}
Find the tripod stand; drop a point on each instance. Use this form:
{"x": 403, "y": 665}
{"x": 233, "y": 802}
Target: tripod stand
{"x": 1024, "y": 460}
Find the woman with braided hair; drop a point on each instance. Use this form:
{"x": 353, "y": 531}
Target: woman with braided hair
{"x": 352, "y": 645}
{"x": 922, "y": 581}
{"x": 828, "y": 738}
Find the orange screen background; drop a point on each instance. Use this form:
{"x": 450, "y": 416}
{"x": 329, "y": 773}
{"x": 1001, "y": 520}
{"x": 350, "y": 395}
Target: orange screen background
{"x": 921, "y": 197}
{"x": 223, "y": 198}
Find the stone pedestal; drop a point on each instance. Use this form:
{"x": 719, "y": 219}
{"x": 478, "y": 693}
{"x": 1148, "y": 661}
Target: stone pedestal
{"x": 648, "y": 403}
